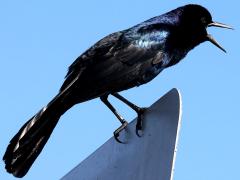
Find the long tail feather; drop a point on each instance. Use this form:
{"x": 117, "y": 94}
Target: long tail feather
{"x": 27, "y": 144}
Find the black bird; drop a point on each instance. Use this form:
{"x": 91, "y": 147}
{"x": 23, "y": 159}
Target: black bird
{"x": 119, "y": 61}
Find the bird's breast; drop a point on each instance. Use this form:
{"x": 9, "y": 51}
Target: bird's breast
{"x": 152, "y": 67}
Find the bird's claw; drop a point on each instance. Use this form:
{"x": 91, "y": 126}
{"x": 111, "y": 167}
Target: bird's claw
{"x": 139, "y": 128}
{"x": 118, "y": 130}
{"x": 139, "y": 125}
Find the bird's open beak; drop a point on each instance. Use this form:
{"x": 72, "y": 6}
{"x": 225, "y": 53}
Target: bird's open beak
{"x": 211, "y": 39}
{"x": 221, "y": 25}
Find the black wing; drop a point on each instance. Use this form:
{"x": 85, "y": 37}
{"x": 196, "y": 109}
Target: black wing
{"x": 98, "y": 51}
{"x": 117, "y": 57}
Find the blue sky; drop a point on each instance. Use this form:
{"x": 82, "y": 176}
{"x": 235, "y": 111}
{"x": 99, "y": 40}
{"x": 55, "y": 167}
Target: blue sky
{"x": 39, "y": 40}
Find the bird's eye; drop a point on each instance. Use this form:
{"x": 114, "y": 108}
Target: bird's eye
{"x": 203, "y": 20}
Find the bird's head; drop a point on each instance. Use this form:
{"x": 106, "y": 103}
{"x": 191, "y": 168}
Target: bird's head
{"x": 193, "y": 23}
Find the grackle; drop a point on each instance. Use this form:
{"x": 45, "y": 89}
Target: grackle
{"x": 117, "y": 62}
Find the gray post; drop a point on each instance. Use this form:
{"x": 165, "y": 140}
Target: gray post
{"x": 150, "y": 157}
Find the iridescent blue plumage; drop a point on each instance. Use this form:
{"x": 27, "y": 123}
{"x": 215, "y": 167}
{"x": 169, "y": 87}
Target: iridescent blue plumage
{"x": 152, "y": 39}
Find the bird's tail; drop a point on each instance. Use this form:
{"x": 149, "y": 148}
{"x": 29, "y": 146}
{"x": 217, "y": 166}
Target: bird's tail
{"x": 27, "y": 144}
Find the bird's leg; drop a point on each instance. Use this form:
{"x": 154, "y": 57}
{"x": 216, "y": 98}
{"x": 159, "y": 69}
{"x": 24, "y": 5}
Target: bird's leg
{"x": 138, "y": 110}
{"x": 104, "y": 99}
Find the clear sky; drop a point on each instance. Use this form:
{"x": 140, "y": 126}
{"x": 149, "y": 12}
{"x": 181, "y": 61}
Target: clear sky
{"x": 39, "y": 40}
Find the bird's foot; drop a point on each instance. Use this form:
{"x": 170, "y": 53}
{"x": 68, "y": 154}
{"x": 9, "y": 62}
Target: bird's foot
{"x": 139, "y": 125}
{"x": 118, "y": 130}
